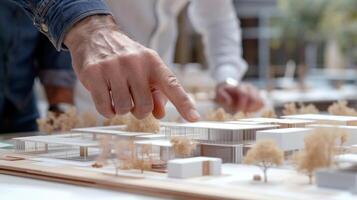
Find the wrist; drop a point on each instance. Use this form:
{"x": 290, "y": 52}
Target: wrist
{"x": 82, "y": 29}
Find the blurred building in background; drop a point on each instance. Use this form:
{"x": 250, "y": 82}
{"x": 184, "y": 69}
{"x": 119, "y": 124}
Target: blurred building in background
{"x": 288, "y": 38}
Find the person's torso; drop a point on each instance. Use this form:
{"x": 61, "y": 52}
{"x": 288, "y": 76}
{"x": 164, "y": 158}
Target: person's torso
{"x": 152, "y": 23}
{"x": 18, "y": 40}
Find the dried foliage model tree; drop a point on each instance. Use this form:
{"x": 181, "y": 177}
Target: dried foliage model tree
{"x": 145, "y": 160}
{"x": 341, "y": 108}
{"x": 124, "y": 155}
{"x": 59, "y": 122}
{"x": 62, "y": 122}
{"x": 293, "y": 109}
{"x": 319, "y": 150}
{"x": 149, "y": 124}
{"x": 220, "y": 115}
{"x": 268, "y": 113}
{"x": 88, "y": 119}
{"x": 116, "y": 120}
{"x": 264, "y": 154}
{"x": 182, "y": 146}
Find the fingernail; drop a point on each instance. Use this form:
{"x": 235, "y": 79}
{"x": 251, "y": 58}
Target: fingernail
{"x": 194, "y": 115}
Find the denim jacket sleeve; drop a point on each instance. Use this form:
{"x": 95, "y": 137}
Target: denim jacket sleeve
{"x": 54, "y": 68}
{"x": 55, "y": 17}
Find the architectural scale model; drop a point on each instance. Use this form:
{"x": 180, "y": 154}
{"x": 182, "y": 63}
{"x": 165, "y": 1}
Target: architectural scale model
{"x": 326, "y": 119}
{"x": 344, "y": 176}
{"x": 351, "y": 131}
{"x": 283, "y": 123}
{"x": 287, "y": 139}
{"x": 193, "y": 167}
{"x": 227, "y": 141}
{"x": 192, "y": 159}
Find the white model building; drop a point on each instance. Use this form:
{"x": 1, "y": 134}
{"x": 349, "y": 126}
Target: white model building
{"x": 227, "y": 141}
{"x": 215, "y": 132}
{"x": 71, "y": 145}
{"x": 160, "y": 147}
{"x": 194, "y": 167}
{"x": 282, "y": 122}
{"x": 287, "y": 139}
{"x": 326, "y": 119}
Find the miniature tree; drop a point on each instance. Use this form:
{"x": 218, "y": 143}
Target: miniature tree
{"x": 268, "y": 113}
{"x": 219, "y": 115}
{"x": 68, "y": 120}
{"x": 264, "y": 154}
{"x": 116, "y": 120}
{"x": 182, "y": 146}
{"x": 88, "y": 119}
{"x": 292, "y": 109}
{"x": 308, "y": 109}
{"x": 105, "y": 151}
{"x": 149, "y": 124}
{"x": 125, "y": 154}
{"x": 59, "y": 122}
{"x": 341, "y": 108}
{"x": 240, "y": 115}
{"x": 318, "y": 152}
{"x": 46, "y": 125}
{"x": 145, "y": 161}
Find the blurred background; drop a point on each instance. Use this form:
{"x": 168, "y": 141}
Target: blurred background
{"x": 297, "y": 51}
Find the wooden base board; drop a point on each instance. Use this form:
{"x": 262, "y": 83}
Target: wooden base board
{"x": 71, "y": 175}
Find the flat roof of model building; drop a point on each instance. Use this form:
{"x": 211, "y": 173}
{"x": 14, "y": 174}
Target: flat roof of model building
{"x": 218, "y": 125}
{"x": 245, "y": 122}
{"x": 110, "y": 130}
{"x": 332, "y": 126}
{"x": 161, "y": 143}
{"x": 286, "y": 130}
{"x": 194, "y": 159}
{"x": 53, "y": 139}
{"x": 321, "y": 117}
{"x": 277, "y": 120}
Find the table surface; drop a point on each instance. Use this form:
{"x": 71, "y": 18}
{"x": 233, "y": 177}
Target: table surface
{"x": 12, "y": 187}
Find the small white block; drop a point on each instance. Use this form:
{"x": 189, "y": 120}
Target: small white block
{"x": 193, "y": 167}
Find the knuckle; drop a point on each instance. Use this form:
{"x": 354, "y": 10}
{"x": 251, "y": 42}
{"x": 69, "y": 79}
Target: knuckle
{"x": 128, "y": 58}
{"x": 90, "y": 70}
{"x": 148, "y": 52}
{"x": 142, "y": 111}
{"x": 173, "y": 82}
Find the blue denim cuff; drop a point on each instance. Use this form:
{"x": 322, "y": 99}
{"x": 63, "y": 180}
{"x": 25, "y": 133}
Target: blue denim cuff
{"x": 54, "y": 18}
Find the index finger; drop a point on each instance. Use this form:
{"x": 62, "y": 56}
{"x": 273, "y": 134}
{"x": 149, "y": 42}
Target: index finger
{"x": 167, "y": 82}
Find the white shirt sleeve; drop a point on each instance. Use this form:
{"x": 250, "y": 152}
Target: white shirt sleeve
{"x": 217, "y": 22}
